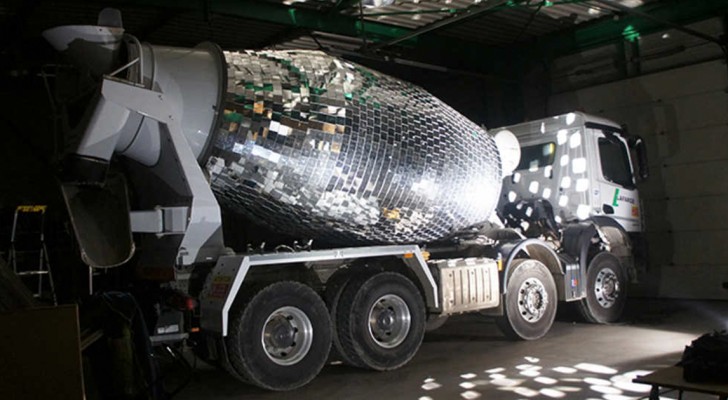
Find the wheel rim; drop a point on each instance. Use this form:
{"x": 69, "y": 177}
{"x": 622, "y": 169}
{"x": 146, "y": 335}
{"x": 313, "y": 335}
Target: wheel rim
{"x": 532, "y": 300}
{"x": 389, "y": 321}
{"x": 287, "y": 335}
{"x": 606, "y": 287}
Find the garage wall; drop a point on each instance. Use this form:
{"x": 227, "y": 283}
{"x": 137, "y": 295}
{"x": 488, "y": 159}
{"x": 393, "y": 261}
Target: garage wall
{"x": 683, "y": 115}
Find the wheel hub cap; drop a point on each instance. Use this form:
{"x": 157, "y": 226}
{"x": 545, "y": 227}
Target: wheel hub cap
{"x": 386, "y": 320}
{"x": 287, "y": 335}
{"x": 532, "y": 300}
{"x": 606, "y": 287}
{"x": 282, "y": 333}
{"x": 389, "y": 321}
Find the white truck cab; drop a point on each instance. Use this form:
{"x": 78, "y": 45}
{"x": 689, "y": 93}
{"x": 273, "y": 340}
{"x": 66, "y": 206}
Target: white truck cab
{"x": 580, "y": 164}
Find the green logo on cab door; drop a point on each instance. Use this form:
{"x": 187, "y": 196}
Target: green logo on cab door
{"x": 616, "y": 197}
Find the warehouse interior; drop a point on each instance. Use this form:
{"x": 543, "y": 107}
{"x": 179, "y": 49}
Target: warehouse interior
{"x": 658, "y": 68}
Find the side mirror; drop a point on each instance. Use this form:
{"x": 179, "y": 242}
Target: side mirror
{"x": 637, "y": 144}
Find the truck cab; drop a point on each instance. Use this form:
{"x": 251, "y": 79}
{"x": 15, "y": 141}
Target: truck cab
{"x": 574, "y": 187}
{"x": 581, "y": 165}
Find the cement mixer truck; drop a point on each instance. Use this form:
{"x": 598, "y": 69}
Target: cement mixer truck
{"x": 400, "y": 188}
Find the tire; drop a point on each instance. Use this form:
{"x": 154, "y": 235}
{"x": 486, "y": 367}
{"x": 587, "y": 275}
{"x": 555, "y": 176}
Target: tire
{"x": 530, "y": 301}
{"x": 606, "y": 286}
{"x": 280, "y": 338}
{"x": 380, "y": 321}
{"x": 334, "y": 289}
{"x": 435, "y": 322}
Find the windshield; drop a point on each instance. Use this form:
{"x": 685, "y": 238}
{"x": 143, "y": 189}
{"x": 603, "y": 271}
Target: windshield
{"x": 537, "y": 156}
{"x": 615, "y": 162}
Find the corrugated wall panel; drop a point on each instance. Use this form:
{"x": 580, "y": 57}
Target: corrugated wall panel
{"x": 655, "y": 52}
{"x": 697, "y": 213}
{"x": 695, "y": 248}
{"x": 707, "y": 142}
{"x": 585, "y": 69}
{"x": 681, "y": 178}
{"x": 673, "y": 48}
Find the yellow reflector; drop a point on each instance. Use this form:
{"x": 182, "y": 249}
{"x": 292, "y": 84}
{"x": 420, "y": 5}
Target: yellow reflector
{"x": 31, "y": 208}
{"x": 425, "y": 255}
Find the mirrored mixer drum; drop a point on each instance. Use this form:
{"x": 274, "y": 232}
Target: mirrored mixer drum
{"x": 318, "y": 147}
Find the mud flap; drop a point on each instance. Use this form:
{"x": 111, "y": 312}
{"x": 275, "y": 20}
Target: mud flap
{"x": 100, "y": 218}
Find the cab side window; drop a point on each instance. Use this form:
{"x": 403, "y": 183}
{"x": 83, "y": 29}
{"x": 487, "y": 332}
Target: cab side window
{"x": 537, "y": 156}
{"x": 615, "y": 162}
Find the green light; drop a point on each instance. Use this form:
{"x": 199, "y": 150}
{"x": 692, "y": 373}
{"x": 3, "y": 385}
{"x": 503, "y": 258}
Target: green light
{"x": 292, "y": 14}
{"x": 548, "y": 3}
{"x": 630, "y": 33}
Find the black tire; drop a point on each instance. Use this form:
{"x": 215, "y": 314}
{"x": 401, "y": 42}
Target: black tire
{"x": 530, "y": 301}
{"x": 280, "y": 338}
{"x": 435, "y": 322}
{"x": 395, "y": 334}
{"x": 606, "y": 287}
{"x": 334, "y": 289}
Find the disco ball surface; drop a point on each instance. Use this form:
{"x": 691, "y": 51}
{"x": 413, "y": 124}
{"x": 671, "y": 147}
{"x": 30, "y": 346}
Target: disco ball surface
{"x": 321, "y": 148}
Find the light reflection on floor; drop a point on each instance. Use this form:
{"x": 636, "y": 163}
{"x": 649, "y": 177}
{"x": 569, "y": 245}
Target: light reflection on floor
{"x": 533, "y": 379}
{"x": 471, "y": 351}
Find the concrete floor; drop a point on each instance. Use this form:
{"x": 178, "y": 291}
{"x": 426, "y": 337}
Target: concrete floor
{"x": 468, "y": 358}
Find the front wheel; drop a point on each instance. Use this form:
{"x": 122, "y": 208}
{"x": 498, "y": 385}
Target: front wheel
{"x": 280, "y": 338}
{"x": 530, "y": 301}
{"x": 380, "y": 321}
{"x": 435, "y": 322}
{"x": 605, "y": 290}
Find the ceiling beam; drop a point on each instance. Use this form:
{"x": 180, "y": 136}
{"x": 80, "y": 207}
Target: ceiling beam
{"x": 610, "y": 30}
{"x": 667, "y": 24}
{"x": 281, "y": 14}
{"x": 427, "y": 48}
{"x": 344, "y": 4}
{"x": 413, "y": 12}
{"x": 487, "y": 5}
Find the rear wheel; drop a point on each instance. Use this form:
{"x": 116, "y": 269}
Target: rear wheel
{"x": 380, "y": 321}
{"x": 334, "y": 289}
{"x": 605, "y": 290}
{"x": 530, "y": 301}
{"x": 280, "y": 338}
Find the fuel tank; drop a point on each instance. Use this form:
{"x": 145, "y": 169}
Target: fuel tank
{"x": 317, "y": 147}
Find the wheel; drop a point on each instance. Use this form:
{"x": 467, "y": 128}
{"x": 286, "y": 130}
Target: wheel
{"x": 435, "y": 322}
{"x": 334, "y": 289}
{"x": 605, "y": 290}
{"x": 280, "y": 338}
{"x": 380, "y": 321}
{"x": 530, "y": 301}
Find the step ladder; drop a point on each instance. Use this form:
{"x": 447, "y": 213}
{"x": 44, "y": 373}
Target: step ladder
{"x": 28, "y": 255}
